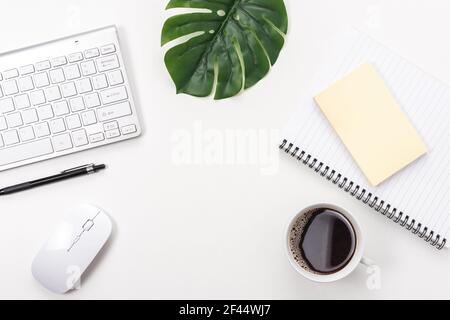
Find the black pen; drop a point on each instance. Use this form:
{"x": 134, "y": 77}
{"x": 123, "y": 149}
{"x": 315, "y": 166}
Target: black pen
{"x": 67, "y": 174}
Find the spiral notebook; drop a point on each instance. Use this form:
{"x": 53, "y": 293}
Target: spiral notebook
{"x": 418, "y": 197}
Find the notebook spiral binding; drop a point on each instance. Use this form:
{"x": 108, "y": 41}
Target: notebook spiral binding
{"x": 361, "y": 194}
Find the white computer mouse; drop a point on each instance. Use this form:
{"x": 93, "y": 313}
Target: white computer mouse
{"x": 71, "y": 248}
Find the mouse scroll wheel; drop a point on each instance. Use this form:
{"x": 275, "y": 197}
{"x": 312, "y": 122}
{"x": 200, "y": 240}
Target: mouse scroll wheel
{"x": 88, "y": 225}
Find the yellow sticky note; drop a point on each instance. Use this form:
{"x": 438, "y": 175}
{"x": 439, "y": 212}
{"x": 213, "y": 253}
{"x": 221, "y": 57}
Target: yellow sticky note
{"x": 371, "y": 124}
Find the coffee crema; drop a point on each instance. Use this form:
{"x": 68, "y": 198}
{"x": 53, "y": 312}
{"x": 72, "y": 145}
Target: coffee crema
{"x": 322, "y": 241}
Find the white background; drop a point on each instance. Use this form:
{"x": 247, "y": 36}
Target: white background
{"x": 217, "y": 231}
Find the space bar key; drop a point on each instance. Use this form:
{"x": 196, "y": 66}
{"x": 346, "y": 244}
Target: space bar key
{"x": 25, "y": 151}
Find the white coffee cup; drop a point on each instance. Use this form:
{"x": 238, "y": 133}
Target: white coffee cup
{"x": 350, "y": 267}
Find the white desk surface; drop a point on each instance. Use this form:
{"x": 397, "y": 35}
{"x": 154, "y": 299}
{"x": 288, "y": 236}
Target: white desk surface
{"x": 212, "y": 231}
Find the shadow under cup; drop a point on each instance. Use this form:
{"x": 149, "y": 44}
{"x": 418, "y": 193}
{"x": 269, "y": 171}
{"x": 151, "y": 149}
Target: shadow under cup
{"x": 324, "y": 243}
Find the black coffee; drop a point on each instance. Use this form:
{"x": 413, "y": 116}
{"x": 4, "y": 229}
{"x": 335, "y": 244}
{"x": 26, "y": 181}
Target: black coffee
{"x": 323, "y": 241}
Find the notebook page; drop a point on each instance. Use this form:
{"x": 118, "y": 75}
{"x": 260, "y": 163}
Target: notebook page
{"x": 422, "y": 190}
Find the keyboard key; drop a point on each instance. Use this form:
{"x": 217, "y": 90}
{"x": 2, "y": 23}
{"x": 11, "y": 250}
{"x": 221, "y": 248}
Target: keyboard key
{"x": 37, "y": 98}
{"x": 14, "y": 120}
{"x": 57, "y": 76}
{"x": 92, "y": 100}
{"x": 68, "y": 89}
{"x": 52, "y": 93}
{"x": 1, "y": 77}
{"x": 62, "y": 142}
{"x": 43, "y": 65}
{"x": 30, "y": 116}
{"x": 42, "y": 130}
{"x": 45, "y": 112}
{"x": 110, "y": 48}
{"x": 129, "y": 129}
{"x": 97, "y": 137}
{"x": 88, "y": 68}
{"x": 25, "y": 151}
{"x": 80, "y": 138}
{"x": 75, "y": 57}
{"x": 26, "y": 134}
{"x": 107, "y": 63}
{"x": 3, "y": 125}
{"x": 26, "y": 84}
{"x": 89, "y": 118}
{"x": 73, "y": 122}
{"x": 25, "y": 70}
{"x": 57, "y": 126}
{"x": 111, "y": 125}
{"x": 61, "y": 108}
{"x": 10, "y": 137}
{"x": 114, "y": 95}
{"x": 72, "y": 72}
{"x": 91, "y": 53}
{"x": 77, "y": 104}
{"x": 113, "y": 112}
{"x": 10, "y": 87}
{"x": 9, "y": 74}
{"x": 22, "y": 101}
{"x": 1, "y": 142}
{"x": 41, "y": 80}
{"x": 6, "y": 105}
{"x": 111, "y": 134}
{"x": 59, "y": 61}
{"x": 100, "y": 82}
{"x": 84, "y": 86}
{"x": 115, "y": 78}
{"x": 1, "y": 92}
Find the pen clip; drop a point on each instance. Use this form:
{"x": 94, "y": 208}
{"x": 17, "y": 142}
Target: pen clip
{"x": 86, "y": 166}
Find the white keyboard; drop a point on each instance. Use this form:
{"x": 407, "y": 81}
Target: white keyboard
{"x": 63, "y": 97}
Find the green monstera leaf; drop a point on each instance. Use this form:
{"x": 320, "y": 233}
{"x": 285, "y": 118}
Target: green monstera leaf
{"x": 232, "y": 46}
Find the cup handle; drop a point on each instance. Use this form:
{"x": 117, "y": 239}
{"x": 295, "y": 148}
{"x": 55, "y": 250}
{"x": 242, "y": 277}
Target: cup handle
{"x": 367, "y": 262}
